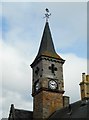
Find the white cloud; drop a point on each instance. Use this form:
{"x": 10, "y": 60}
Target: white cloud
{"x": 20, "y": 47}
{"x": 73, "y": 69}
{"x": 0, "y": 106}
{"x": 14, "y": 65}
{"x": 0, "y": 9}
{"x": 67, "y": 27}
{"x": 71, "y": 23}
{"x": 11, "y": 97}
{"x": 16, "y": 76}
{"x": 88, "y": 65}
{"x": 0, "y": 78}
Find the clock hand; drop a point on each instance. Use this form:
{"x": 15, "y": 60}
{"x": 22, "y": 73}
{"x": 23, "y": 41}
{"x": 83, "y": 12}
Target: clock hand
{"x": 52, "y": 84}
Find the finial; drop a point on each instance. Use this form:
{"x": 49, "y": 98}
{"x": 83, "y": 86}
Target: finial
{"x": 47, "y": 14}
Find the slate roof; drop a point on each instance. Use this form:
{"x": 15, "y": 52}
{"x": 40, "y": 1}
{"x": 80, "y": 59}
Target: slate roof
{"x": 47, "y": 46}
{"x": 19, "y": 114}
{"x": 78, "y": 109}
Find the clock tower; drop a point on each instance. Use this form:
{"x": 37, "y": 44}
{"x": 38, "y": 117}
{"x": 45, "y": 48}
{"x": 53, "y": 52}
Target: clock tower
{"x": 47, "y": 82}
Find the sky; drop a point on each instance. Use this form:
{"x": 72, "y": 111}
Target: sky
{"x": 21, "y": 28}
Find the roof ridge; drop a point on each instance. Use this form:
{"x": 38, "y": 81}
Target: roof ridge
{"x": 22, "y": 110}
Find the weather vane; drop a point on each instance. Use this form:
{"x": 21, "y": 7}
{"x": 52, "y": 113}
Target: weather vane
{"x": 47, "y": 14}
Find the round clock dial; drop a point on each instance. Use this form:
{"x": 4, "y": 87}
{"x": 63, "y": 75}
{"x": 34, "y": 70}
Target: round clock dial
{"x": 52, "y": 84}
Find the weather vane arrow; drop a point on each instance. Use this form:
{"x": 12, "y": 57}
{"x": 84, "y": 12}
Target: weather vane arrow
{"x": 47, "y": 14}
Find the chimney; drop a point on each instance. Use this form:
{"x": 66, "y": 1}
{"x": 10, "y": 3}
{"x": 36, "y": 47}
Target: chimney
{"x": 66, "y": 101}
{"x": 12, "y": 112}
{"x": 84, "y": 87}
{"x": 83, "y": 77}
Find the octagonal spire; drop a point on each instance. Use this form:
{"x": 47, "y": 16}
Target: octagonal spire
{"x": 47, "y": 47}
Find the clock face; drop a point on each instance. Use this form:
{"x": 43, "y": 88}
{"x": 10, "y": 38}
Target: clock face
{"x": 37, "y": 86}
{"x": 52, "y": 84}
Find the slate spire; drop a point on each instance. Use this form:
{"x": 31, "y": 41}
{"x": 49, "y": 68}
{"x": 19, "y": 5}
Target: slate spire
{"x": 47, "y": 46}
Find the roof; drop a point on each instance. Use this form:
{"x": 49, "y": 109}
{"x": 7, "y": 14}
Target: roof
{"x": 78, "y": 109}
{"x": 20, "y": 114}
{"x": 47, "y": 47}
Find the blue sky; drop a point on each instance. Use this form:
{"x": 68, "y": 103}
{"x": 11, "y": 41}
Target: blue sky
{"x": 74, "y": 25}
{"x": 22, "y": 28}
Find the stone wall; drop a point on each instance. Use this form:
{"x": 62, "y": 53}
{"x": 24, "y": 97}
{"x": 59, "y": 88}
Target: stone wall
{"x": 45, "y": 103}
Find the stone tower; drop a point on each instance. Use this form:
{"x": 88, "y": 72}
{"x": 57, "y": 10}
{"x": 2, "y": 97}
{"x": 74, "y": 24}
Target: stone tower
{"x": 84, "y": 87}
{"x": 47, "y": 83}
